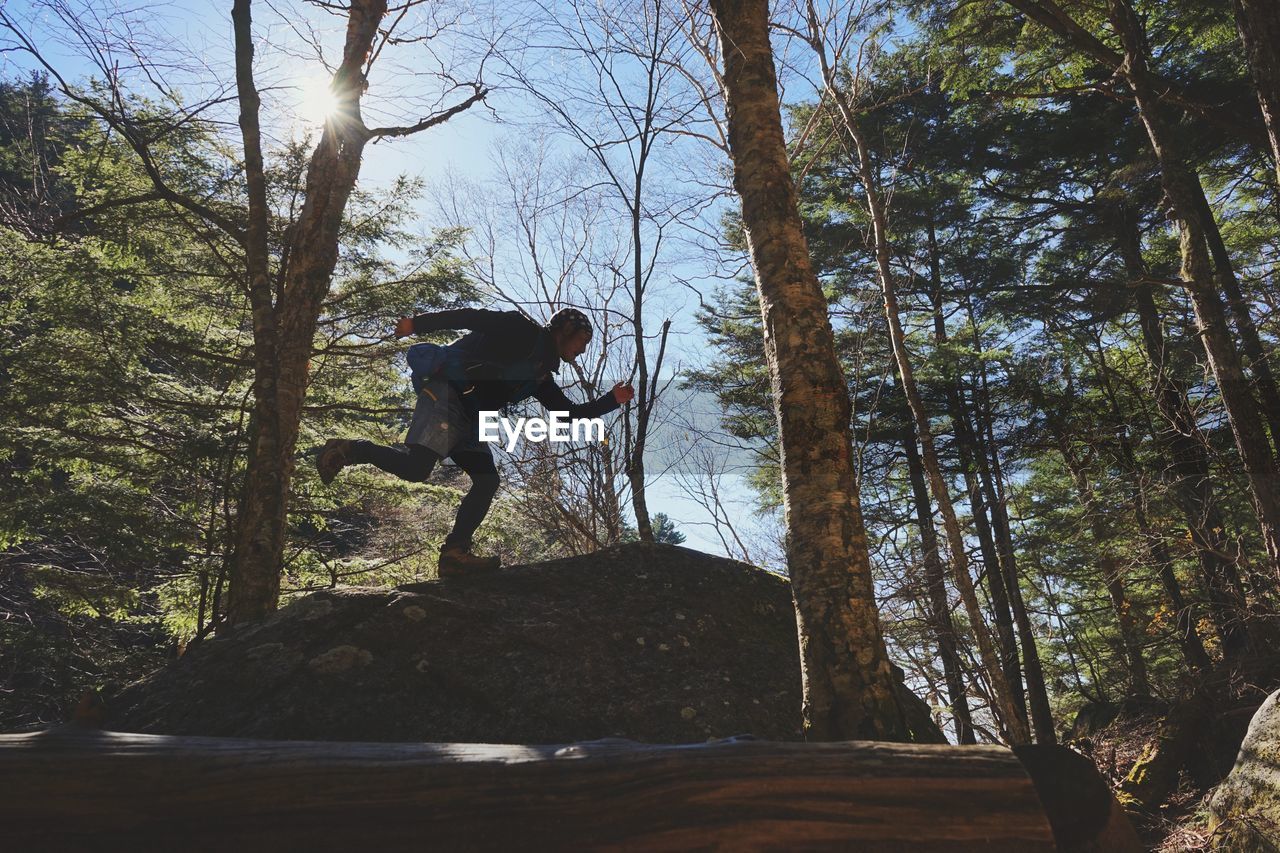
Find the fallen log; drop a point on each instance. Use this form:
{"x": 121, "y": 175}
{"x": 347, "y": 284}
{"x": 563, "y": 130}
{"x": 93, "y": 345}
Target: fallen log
{"x": 76, "y": 788}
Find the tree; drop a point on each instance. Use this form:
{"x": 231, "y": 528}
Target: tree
{"x": 664, "y": 530}
{"x": 286, "y": 266}
{"x": 1259, "y": 24}
{"x": 624, "y": 102}
{"x": 849, "y": 687}
{"x": 127, "y": 377}
{"x": 842, "y": 22}
{"x": 1195, "y": 222}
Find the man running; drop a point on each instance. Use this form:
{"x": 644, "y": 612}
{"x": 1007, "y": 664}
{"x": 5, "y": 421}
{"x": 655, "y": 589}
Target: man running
{"x": 506, "y": 358}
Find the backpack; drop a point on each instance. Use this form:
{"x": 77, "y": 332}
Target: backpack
{"x": 425, "y": 361}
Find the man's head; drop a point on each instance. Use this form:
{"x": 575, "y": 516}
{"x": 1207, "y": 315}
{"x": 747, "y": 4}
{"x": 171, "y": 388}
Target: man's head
{"x": 571, "y": 331}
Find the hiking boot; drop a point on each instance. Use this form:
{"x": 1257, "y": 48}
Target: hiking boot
{"x": 332, "y": 458}
{"x": 456, "y": 561}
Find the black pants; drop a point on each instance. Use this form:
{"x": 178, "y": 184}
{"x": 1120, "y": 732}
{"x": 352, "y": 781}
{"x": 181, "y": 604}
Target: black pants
{"x": 416, "y": 464}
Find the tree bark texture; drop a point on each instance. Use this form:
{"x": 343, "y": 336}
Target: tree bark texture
{"x": 848, "y": 685}
{"x": 1182, "y": 188}
{"x": 76, "y": 789}
{"x": 284, "y": 328}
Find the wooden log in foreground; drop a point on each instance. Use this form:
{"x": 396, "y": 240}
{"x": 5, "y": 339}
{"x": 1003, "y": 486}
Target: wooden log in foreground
{"x": 76, "y": 789}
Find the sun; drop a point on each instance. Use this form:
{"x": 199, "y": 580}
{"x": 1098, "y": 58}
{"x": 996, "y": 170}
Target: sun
{"x": 318, "y": 103}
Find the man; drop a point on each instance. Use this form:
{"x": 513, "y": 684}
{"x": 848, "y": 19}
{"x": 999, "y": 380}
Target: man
{"x": 506, "y": 358}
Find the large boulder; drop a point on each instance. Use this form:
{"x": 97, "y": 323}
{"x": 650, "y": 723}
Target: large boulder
{"x": 1245, "y": 808}
{"x": 648, "y": 642}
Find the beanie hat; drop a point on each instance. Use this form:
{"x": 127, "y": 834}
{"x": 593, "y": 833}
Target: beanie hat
{"x": 570, "y": 319}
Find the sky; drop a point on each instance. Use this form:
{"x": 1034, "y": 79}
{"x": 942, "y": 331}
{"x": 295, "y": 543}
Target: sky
{"x": 190, "y": 44}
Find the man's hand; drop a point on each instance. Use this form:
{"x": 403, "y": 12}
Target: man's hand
{"x": 404, "y": 327}
{"x": 623, "y": 392}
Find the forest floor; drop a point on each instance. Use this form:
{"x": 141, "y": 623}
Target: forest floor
{"x": 1181, "y": 823}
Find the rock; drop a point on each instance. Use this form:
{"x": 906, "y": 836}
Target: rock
{"x": 1245, "y": 808}
{"x": 340, "y": 659}
{"x": 264, "y": 650}
{"x": 545, "y": 653}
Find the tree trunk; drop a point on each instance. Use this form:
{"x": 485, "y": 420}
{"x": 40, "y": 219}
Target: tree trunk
{"x": 1182, "y": 190}
{"x": 989, "y": 472}
{"x": 1250, "y": 341}
{"x": 1005, "y": 700}
{"x": 1188, "y": 637}
{"x": 1109, "y": 566}
{"x": 1188, "y": 470}
{"x": 967, "y": 450}
{"x": 939, "y": 605}
{"x": 75, "y": 789}
{"x": 997, "y": 591}
{"x": 255, "y": 587}
{"x": 644, "y": 405}
{"x": 1258, "y": 22}
{"x": 283, "y": 332}
{"x": 849, "y": 689}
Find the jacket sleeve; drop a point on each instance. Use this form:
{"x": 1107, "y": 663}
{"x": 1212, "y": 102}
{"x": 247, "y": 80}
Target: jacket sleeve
{"x": 550, "y": 395}
{"x": 475, "y": 319}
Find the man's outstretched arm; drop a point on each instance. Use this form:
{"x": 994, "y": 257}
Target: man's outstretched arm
{"x": 475, "y": 319}
{"x": 554, "y": 399}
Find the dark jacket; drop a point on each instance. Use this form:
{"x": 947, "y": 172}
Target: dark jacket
{"x": 506, "y": 358}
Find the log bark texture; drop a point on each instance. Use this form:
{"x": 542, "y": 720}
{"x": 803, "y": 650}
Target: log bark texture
{"x": 71, "y": 788}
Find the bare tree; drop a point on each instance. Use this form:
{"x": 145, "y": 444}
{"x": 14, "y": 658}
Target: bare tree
{"x": 538, "y": 239}
{"x": 610, "y": 79}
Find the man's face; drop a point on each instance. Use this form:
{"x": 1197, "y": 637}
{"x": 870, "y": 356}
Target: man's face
{"x": 572, "y": 344}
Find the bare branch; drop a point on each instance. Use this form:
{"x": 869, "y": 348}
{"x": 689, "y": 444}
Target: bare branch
{"x": 430, "y": 121}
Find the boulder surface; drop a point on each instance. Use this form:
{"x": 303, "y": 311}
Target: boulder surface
{"x": 1245, "y": 808}
{"x": 654, "y": 643}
